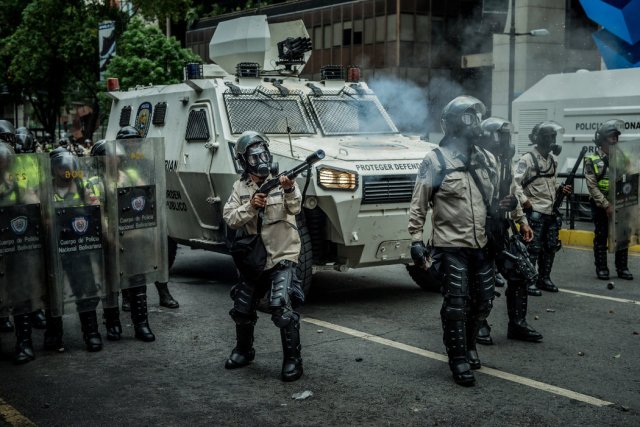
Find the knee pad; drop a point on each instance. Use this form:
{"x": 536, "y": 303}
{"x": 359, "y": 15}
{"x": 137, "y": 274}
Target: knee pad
{"x": 453, "y": 308}
{"x": 280, "y": 283}
{"x": 242, "y": 318}
{"x": 283, "y": 317}
{"x": 242, "y": 295}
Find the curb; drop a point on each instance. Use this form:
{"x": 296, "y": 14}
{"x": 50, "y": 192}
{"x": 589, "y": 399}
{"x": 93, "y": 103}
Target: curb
{"x": 583, "y": 238}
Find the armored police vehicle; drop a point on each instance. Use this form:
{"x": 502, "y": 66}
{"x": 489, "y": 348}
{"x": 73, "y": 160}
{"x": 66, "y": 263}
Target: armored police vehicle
{"x": 356, "y": 199}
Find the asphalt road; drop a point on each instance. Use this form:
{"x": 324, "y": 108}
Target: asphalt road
{"x": 373, "y": 355}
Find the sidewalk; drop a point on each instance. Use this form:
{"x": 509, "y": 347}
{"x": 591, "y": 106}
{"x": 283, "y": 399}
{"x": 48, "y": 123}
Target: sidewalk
{"x": 583, "y": 236}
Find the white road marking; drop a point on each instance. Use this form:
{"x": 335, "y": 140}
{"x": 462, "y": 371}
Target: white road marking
{"x": 13, "y": 417}
{"x": 584, "y": 294}
{"x": 442, "y": 358}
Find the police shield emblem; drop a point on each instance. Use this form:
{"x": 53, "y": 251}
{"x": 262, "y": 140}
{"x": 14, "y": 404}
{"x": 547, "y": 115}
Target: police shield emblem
{"x": 137, "y": 203}
{"x": 80, "y": 224}
{"x": 19, "y": 225}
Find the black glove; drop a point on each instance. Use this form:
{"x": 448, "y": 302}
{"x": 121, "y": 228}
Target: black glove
{"x": 418, "y": 253}
{"x": 509, "y": 203}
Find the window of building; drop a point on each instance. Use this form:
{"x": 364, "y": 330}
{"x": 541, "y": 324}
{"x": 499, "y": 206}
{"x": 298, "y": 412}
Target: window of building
{"x": 317, "y": 38}
{"x": 407, "y": 32}
{"x": 369, "y": 31}
{"x": 327, "y": 37}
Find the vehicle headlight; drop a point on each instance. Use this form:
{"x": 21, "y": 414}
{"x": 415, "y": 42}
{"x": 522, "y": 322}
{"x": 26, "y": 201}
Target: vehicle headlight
{"x": 335, "y": 179}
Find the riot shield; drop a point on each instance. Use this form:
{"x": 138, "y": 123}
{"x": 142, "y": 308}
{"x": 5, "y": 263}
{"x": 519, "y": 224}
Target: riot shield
{"x": 23, "y": 188}
{"x": 77, "y": 273}
{"x": 136, "y": 193}
{"x": 624, "y": 180}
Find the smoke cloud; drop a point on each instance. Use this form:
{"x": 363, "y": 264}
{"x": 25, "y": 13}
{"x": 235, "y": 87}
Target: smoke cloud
{"x": 405, "y": 101}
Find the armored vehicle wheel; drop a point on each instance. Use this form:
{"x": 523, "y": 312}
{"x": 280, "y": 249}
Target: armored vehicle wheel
{"x": 173, "y": 250}
{"x": 305, "y": 261}
{"x": 423, "y": 279}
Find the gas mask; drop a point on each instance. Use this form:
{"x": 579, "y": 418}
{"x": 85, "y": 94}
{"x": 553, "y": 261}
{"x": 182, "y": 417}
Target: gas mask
{"x": 259, "y": 161}
{"x": 547, "y": 143}
{"x": 496, "y": 137}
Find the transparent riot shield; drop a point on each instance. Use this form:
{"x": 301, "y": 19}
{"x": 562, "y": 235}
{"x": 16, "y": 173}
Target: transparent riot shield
{"x": 624, "y": 181}
{"x": 77, "y": 273}
{"x": 23, "y": 196}
{"x": 136, "y": 199}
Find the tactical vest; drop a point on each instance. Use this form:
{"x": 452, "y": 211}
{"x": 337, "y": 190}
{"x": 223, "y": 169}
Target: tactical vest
{"x": 540, "y": 174}
{"x": 601, "y": 169}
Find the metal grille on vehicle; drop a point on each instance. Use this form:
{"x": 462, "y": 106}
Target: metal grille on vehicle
{"x": 344, "y": 114}
{"x": 387, "y": 189}
{"x": 267, "y": 111}
{"x": 197, "y": 127}
{"x": 125, "y": 116}
{"x": 159, "y": 113}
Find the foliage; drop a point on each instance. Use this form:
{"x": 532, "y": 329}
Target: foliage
{"x": 145, "y": 56}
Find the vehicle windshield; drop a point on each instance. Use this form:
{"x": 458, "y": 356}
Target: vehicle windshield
{"x": 345, "y": 113}
{"x": 268, "y": 112}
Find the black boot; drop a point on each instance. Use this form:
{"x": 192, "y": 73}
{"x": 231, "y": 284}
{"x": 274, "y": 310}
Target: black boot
{"x": 622, "y": 257}
{"x": 38, "y": 320}
{"x": 138, "y": 299}
{"x": 600, "y": 256}
{"x": 5, "y": 324}
{"x": 126, "y": 304}
{"x": 90, "y": 334}
{"x": 484, "y": 334}
{"x": 243, "y": 353}
{"x": 292, "y": 361}
{"x": 545, "y": 264}
{"x": 24, "y": 346}
{"x": 166, "y": 300}
{"x": 112, "y": 323}
{"x": 517, "y": 309}
{"x": 53, "y": 334}
{"x": 454, "y": 338}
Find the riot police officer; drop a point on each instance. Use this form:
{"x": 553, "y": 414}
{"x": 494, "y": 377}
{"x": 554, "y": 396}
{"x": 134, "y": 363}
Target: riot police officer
{"x": 509, "y": 252}
{"x": 596, "y": 173}
{"x": 458, "y": 179}
{"x": 536, "y": 178}
{"x": 69, "y": 190}
{"x": 271, "y": 216}
{"x": 165, "y": 297}
{"x": 111, "y": 311}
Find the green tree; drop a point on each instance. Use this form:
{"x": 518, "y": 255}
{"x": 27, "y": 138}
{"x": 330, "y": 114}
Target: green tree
{"x": 52, "y": 55}
{"x": 145, "y": 56}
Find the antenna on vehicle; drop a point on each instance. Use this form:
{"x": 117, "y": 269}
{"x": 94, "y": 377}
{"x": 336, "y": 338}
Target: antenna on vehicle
{"x": 289, "y": 135}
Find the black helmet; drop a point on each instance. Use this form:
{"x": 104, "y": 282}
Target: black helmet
{"x": 63, "y": 163}
{"x": 497, "y": 137}
{"x": 26, "y": 141}
{"x": 128, "y": 132}
{"x": 99, "y": 148}
{"x": 462, "y": 117}
{"x": 609, "y": 128}
{"x": 7, "y": 132}
{"x": 544, "y": 136}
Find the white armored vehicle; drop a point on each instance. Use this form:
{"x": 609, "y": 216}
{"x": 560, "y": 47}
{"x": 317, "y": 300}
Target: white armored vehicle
{"x": 357, "y": 198}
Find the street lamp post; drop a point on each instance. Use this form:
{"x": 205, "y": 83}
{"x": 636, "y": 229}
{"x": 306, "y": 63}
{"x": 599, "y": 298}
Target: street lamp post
{"x": 512, "y": 52}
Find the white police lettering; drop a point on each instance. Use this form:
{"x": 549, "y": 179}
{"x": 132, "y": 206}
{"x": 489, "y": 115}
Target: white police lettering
{"x": 593, "y": 126}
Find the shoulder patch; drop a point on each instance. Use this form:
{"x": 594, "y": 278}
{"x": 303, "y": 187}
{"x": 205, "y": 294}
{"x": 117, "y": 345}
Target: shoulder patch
{"x": 522, "y": 167}
{"x": 424, "y": 168}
